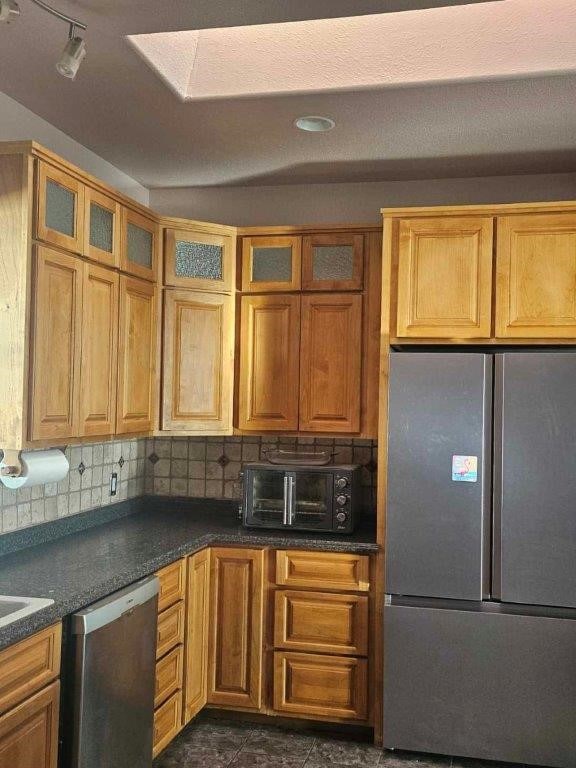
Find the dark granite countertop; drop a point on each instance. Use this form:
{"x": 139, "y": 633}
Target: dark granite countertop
{"x": 78, "y": 561}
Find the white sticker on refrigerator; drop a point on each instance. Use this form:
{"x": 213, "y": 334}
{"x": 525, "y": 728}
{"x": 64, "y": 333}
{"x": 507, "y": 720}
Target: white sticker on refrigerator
{"x": 465, "y": 469}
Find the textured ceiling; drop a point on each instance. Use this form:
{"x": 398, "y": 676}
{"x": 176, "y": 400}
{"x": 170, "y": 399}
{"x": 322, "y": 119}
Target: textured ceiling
{"x": 120, "y": 109}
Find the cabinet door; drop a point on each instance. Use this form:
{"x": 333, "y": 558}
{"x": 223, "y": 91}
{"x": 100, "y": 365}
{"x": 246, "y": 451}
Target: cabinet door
{"x": 29, "y": 733}
{"x": 269, "y": 362}
{"x": 332, "y": 262}
{"x": 445, "y": 278}
{"x": 536, "y": 276}
{"x": 198, "y": 361}
{"x": 235, "y": 670}
{"x": 139, "y": 245}
{"x": 101, "y": 228}
{"x": 198, "y": 617}
{"x": 330, "y": 363}
{"x": 271, "y": 264}
{"x": 198, "y": 260}
{"x": 59, "y": 208}
{"x": 99, "y": 351}
{"x": 57, "y": 319}
{"x": 136, "y": 356}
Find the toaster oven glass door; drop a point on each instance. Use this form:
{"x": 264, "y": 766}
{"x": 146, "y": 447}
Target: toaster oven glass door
{"x": 312, "y": 501}
{"x": 268, "y": 498}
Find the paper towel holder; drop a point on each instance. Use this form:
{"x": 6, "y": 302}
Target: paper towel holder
{"x": 13, "y": 464}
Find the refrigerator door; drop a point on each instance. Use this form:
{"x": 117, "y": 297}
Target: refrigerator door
{"x": 473, "y": 683}
{"x": 535, "y": 478}
{"x": 439, "y": 458}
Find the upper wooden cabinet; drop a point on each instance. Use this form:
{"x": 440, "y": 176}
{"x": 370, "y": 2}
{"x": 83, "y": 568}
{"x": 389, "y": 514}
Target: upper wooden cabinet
{"x": 198, "y": 362}
{"x": 536, "y": 276}
{"x": 332, "y": 262}
{"x": 136, "y": 356}
{"x": 330, "y": 362}
{"x": 198, "y": 260}
{"x": 269, "y": 362}
{"x": 271, "y": 263}
{"x": 59, "y": 208}
{"x": 445, "y": 277}
{"x": 102, "y": 228}
{"x": 139, "y": 245}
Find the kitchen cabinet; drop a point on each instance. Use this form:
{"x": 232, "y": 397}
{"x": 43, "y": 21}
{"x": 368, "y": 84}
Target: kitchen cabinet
{"x": 199, "y": 260}
{"x": 102, "y": 228}
{"x": 172, "y": 587}
{"x": 99, "y": 355}
{"x": 171, "y": 626}
{"x": 56, "y": 346}
{"x": 330, "y": 363}
{"x": 269, "y": 362}
{"x": 197, "y": 623}
{"x": 536, "y": 276}
{"x": 139, "y": 245}
{"x": 271, "y": 263}
{"x": 198, "y": 362}
{"x": 136, "y": 356}
{"x": 333, "y": 262}
{"x": 59, "y": 208}
{"x": 237, "y": 611}
{"x": 445, "y": 277}
{"x": 167, "y": 722}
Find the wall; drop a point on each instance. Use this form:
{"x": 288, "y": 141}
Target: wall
{"x": 351, "y": 203}
{"x": 18, "y": 123}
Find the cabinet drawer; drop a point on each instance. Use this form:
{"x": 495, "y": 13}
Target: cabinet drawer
{"x": 172, "y": 584}
{"x": 324, "y": 570}
{"x": 170, "y": 629}
{"x": 29, "y": 733}
{"x": 168, "y": 675}
{"x": 29, "y": 665}
{"x": 167, "y": 722}
{"x": 321, "y": 622}
{"x": 329, "y": 687}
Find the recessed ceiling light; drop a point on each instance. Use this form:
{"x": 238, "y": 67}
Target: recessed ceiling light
{"x": 314, "y": 123}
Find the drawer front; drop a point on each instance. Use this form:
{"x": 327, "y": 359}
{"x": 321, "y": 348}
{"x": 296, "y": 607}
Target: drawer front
{"x": 322, "y": 622}
{"x": 323, "y": 570}
{"x": 29, "y": 732}
{"x": 168, "y": 675}
{"x": 326, "y": 687}
{"x": 170, "y": 629}
{"x": 29, "y": 665}
{"x": 172, "y": 584}
{"x": 167, "y": 721}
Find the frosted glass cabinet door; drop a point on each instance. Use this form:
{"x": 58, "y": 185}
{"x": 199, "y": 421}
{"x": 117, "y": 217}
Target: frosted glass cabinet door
{"x": 139, "y": 245}
{"x": 199, "y": 260}
{"x": 59, "y": 208}
{"x": 332, "y": 262}
{"x": 271, "y": 264}
{"x": 101, "y": 228}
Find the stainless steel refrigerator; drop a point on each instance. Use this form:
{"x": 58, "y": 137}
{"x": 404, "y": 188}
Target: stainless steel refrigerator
{"x": 480, "y": 616}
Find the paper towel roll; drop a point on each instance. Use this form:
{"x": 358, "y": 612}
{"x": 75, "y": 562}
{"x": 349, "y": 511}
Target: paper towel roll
{"x": 38, "y": 467}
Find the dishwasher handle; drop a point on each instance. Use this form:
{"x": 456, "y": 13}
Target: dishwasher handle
{"x": 114, "y": 606}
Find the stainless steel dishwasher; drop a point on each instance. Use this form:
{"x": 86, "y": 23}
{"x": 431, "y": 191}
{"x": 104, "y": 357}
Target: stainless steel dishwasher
{"x": 113, "y": 679}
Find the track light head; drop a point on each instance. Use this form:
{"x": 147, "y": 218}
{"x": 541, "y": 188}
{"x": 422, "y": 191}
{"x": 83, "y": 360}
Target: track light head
{"x": 72, "y": 56}
{"x": 9, "y": 10}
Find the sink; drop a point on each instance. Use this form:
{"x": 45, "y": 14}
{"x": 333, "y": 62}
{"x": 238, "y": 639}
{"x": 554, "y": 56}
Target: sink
{"x": 14, "y": 608}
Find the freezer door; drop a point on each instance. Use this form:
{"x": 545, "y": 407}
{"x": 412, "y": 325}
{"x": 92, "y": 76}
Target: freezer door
{"x": 475, "y": 684}
{"x": 535, "y": 478}
{"x": 438, "y": 503}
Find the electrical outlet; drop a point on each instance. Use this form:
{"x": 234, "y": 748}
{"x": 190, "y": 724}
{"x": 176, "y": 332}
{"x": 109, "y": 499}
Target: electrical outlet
{"x": 113, "y": 483}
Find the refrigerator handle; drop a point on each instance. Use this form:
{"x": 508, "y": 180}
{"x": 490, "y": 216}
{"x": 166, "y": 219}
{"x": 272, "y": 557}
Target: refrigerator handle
{"x": 291, "y": 484}
{"x": 285, "y": 511}
{"x": 497, "y": 476}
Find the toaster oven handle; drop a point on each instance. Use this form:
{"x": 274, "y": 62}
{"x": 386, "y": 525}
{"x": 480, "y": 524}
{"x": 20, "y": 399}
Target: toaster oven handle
{"x": 290, "y": 500}
{"x": 285, "y": 515}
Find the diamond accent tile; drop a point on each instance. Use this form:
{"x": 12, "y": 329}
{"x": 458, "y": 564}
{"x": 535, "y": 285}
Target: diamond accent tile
{"x": 121, "y": 462}
{"x": 153, "y": 458}
{"x": 223, "y": 460}
{"x": 81, "y": 468}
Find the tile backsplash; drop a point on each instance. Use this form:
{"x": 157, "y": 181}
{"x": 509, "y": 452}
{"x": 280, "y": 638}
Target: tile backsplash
{"x": 195, "y": 466}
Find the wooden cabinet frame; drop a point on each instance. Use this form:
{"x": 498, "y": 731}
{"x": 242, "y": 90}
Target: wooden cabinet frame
{"x": 138, "y": 270}
{"x": 171, "y": 236}
{"x": 309, "y": 242}
{"x": 45, "y": 173}
{"x": 91, "y": 251}
{"x": 275, "y": 241}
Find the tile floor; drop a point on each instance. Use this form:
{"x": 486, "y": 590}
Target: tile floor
{"x": 214, "y": 743}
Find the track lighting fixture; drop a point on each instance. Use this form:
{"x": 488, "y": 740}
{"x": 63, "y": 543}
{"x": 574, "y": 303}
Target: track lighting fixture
{"x": 74, "y": 50}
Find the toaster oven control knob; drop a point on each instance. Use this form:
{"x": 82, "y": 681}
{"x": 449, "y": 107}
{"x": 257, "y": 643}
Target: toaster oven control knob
{"x": 341, "y": 517}
{"x": 341, "y": 482}
{"x": 341, "y": 500}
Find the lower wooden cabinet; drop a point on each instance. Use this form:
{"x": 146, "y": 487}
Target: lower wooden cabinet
{"x": 235, "y": 666}
{"x": 318, "y": 686}
{"x": 167, "y": 722}
{"x": 197, "y": 623}
{"x": 29, "y": 732}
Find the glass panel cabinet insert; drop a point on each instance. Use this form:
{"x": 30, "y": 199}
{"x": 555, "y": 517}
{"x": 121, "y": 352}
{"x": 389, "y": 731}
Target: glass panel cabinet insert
{"x": 198, "y": 260}
{"x": 271, "y": 264}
